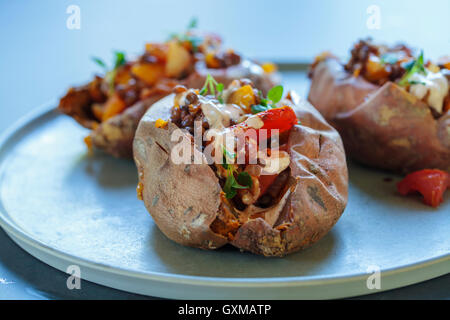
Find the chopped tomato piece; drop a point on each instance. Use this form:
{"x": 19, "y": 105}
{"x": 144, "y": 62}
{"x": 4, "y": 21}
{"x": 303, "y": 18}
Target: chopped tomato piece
{"x": 283, "y": 119}
{"x": 431, "y": 183}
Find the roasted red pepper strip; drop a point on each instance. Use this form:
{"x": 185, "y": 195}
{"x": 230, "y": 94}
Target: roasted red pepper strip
{"x": 431, "y": 183}
{"x": 282, "y": 118}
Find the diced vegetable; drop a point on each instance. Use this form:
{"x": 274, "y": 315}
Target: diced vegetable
{"x": 269, "y": 67}
{"x": 97, "y": 110}
{"x": 412, "y": 67}
{"x": 375, "y": 69}
{"x": 113, "y": 106}
{"x": 139, "y": 191}
{"x": 178, "y": 60}
{"x": 157, "y": 50}
{"x": 88, "y": 142}
{"x": 160, "y": 123}
{"x": 211, "y": 60}
{"x": 431, "y": 183}
{"x": 123, "y": 76}
{"x": 283, "y": 119}
{"x": 444, "y": 62}
{"x": 148, "y": 72}
{"x": 244, "y": 97}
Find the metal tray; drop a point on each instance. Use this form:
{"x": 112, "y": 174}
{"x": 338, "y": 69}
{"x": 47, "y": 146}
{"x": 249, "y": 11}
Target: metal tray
{"x": 67, "y": 208}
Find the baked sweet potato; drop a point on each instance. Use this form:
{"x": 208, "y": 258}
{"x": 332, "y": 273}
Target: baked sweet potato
{"x": 382, "y": 123}
{"x": 273, "y": 215}
{"x": 111, "y": 106}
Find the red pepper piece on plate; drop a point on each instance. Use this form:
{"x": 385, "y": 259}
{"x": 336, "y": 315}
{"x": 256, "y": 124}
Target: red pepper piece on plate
{"x": 431, "y": 183}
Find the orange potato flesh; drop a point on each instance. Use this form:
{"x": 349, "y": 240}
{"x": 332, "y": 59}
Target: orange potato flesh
{"x": 375, "y": 70}
{"x": 113, "y": 106}
{"x": 244, "y": 97}
{"x": 211, "y": 60}
{"x": 157, "y": 50}
{"x": 178, "y": 60}
{"x": 88, "y": 142}
{"x": 148, "y": 72}
{"x": 269, "y": 67}
{"x": 225, "y": 224}
{"x": 97, "y": 110}
{"x": 122, "y": 77}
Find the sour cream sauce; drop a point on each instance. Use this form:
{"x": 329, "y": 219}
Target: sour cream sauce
{"x": 436, "y": 84}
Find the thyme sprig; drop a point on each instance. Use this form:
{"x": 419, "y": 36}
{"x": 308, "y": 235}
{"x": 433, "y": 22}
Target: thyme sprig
{"x": 412, "y": 67}
{"x": 273, "y": 97}
{"x": 213, "y": 87}
{"x": 110, "y": 75}
{"x": 243, "y": 180}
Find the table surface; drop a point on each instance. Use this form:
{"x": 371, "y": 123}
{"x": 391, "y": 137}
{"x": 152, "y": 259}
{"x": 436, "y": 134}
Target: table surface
{"x": 21, "y": 275}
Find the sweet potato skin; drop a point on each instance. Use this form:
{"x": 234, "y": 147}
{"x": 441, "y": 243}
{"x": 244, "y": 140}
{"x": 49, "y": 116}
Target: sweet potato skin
{"x": 384, "y": 127}
{"x": 316, "y": 199}
{"x": 182, "y": 199}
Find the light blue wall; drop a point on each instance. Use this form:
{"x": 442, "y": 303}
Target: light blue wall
{"x": 40, "y": 57}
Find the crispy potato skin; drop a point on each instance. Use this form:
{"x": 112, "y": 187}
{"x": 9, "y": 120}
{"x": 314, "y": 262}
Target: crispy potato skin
{"x": 115, "y": 135}
{"x": 185, "y": 199}
{"x": 182, "y": 199}
{"x": 383, "y": 127}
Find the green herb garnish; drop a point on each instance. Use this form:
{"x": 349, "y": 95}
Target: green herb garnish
{"x": 412, "y": 67}
{"x": 100, "y": 62}
{"x": 213, "y": 87}
{"x": 259, "y": 108}
{"x": 227, "y": 156}
{"x": 273, "y": 96}
{"x": 219, "y": 88}
{"x": 187, "y": 36}
{"x": 416, "y": 82}
{"x": 119, "y": 60}
{"x": 193, "y": 23}
{"x": 243, "y": 180}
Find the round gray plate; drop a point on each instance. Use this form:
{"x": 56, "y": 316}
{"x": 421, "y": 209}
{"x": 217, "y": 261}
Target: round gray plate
{"x": 67, "y": 208}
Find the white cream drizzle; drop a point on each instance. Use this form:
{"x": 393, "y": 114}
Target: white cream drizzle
{"x": 436, "y": 84}
{"x": 219, "y": 116}
{"x": 275, "y": 163}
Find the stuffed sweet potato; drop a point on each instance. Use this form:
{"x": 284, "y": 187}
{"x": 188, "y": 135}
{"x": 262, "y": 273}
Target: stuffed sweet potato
{"x": 283, "y": 197}
{"x": 112, "y": 105}
{"x": 391, "y": 108}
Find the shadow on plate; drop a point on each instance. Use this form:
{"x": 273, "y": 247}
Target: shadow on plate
{"x": 380, "y": 186}
{"x": 229, "y": 261}
{"x": 109, "y": 172}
